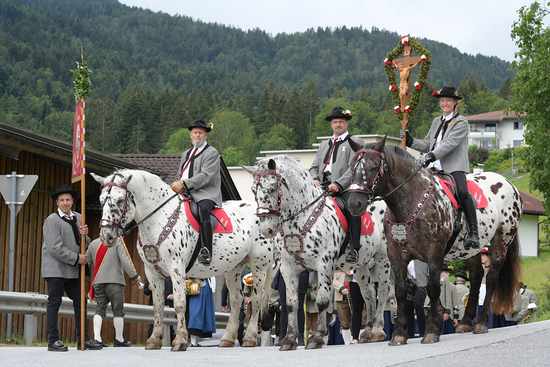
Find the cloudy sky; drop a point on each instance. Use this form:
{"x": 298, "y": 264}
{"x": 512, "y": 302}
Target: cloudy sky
{"x": 472, "y": 26}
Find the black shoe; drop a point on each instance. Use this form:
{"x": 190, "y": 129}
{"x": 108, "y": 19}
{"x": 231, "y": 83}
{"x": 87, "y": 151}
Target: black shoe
{"x": 90, "y": 345}
{"x": 57, "y": 346}
{"x": 204, "y": 256}
{"x": 100, "y": 343}
{"x": 123, "y": 343}
{"x": 352, "y": 257}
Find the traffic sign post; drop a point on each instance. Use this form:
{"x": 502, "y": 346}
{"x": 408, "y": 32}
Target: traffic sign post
{"x": 15, "y": 190}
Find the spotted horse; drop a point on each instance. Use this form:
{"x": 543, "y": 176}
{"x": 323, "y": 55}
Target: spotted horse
{"x": 309, "y": 237}
{"x": 420, "y": 221}
{"x": 167, "y": 240}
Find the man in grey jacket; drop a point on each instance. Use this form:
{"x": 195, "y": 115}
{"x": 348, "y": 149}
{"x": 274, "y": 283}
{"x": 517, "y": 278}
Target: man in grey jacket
{"x": 109, "y": 265}
{"x": 331, "y": 169}
{"x": 60, "y": 259}
{"x": 199, "y": 173}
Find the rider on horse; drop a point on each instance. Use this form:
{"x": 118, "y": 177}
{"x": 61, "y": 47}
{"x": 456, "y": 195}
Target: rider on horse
{"x": 331, "y": 169}
{"x": 199, "y": 173}
{"x": 446, "y": 146}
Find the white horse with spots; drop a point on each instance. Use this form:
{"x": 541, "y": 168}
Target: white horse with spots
{"x": 311, "y": 235}
{"x": 167, "y": 241}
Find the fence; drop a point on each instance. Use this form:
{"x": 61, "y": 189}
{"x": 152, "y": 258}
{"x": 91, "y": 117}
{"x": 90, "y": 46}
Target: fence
{"x": 34, "y": 305}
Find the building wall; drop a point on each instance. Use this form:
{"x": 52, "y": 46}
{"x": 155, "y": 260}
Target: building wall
{"x": 509, "y": 134}
{"x": 529, "y": 235}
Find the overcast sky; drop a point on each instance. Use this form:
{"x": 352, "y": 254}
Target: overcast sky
{"x": 472, "y": 26}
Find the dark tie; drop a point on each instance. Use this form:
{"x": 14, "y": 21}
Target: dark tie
{"x": 188, "y": 161}
{"x": 329, "y": 156}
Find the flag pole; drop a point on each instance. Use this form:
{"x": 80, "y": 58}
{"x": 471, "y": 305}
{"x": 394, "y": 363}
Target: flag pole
{"x": 83, "y": 239}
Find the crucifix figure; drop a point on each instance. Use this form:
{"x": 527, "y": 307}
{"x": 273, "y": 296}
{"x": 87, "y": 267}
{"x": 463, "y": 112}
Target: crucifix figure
{"x": 405, "y": 65}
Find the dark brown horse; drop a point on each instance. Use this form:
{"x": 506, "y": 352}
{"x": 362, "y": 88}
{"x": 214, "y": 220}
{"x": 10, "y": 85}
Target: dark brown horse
{"x": 419, "y": 222}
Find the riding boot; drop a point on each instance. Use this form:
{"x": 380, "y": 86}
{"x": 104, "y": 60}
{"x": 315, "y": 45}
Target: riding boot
{"x": 469, "y": 208}
{"x": 354, "y": 224}
{"x": 205, "y": 256}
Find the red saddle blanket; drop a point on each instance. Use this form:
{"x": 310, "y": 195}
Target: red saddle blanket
{"x": 367, "y": 227}
{"x": 474, "y": 189}
{"x": 223, "y": 224}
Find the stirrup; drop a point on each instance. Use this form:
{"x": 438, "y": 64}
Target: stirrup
{"x": 204, "y": 256}
{"x": 352, "y": 257}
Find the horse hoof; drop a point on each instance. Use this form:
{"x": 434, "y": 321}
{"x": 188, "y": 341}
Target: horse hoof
{"x": 181, "y": 347}
{"x": 226, "y": 344}
{"x": 248, "y": 343}
{"x": 398, "y": 340}
{"x": 288, "y": 346}
{"x": 464, "y": 328}
{"x": 481, "y": 329}
{"x": 153, "y": 346}
{"x": 315, "y": 344}
{"x": 375, "y": 338}
{"x": 430, "y": 339}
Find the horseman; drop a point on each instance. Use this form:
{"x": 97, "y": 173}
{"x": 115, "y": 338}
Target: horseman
{"x": 330, "y": 169}
{"x": 446, "y": 146}
{"x": 199, "y": 174}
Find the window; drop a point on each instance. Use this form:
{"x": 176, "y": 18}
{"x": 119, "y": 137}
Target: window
{"x": 517, "y": 143}
{"x": 518, "y": 125}
{"x": 490, "y": 127}
{"x": 487, "y": 144}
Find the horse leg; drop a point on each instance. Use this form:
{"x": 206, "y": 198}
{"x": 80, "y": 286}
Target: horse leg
{"x": 434, "y": 290}
{"x": 399, "y": 269}
{"x": 476, "y": 274}
{"x": 233, "y": 281}
{"x": 256, "y": 298}
{"x": 157, "y": 285}
{"x": 324, "y": 286}
{"x": 383, "y": 268}
{"x": 178, "y": 291}
{"x": 291, "y": 281}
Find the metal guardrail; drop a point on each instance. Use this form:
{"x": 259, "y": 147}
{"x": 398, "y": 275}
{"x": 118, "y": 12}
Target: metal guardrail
{"x": 34, "y": 304}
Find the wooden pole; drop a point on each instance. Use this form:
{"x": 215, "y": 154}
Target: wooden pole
{"x": 83, "y": 239}
{"x": 404, "y": 124}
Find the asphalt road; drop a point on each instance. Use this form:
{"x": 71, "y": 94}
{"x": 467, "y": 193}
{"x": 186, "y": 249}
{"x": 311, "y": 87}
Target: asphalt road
{"x": 524, "y": 345}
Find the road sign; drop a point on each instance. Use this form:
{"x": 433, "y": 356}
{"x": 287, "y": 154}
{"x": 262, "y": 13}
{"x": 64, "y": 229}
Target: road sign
{"x": 23, "y": 187}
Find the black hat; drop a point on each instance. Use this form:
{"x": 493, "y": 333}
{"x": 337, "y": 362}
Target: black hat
{"x": 446, "y": 268}
{"x": 462, "y": 275}
{"x": 339, "y": 113}
{"x": 64, "y": 189}
{"x": 446, "y": 92}
{"x": 200, "y": 123}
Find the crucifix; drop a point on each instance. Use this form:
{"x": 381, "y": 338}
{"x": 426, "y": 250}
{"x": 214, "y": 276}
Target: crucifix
{"x": 405, "y": 65}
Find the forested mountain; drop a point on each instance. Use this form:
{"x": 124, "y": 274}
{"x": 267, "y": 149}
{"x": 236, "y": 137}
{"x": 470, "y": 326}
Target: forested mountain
{"x": 154, "y": 73}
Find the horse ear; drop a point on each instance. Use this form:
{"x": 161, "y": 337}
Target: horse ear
{"x": 100, "y": 180}
{"x": 249, "y": 169}
{"x": 381, "y": 144}
{"x": 354, "y": 145}
{"x": 129, "y": 179}
{"x": 271, "y": 165}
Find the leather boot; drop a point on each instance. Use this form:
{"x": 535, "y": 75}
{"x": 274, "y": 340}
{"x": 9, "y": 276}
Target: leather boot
{"x": 469, "y": 208}
{"x": 205, "y": 256}
{"x": 355, "y": 231}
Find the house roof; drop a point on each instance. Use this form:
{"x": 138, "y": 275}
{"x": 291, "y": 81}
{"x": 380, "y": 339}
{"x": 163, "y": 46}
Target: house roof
{"x": 532, "y": 205}
{"x": 498, "y": 116}
{"x": 166, "y": 166}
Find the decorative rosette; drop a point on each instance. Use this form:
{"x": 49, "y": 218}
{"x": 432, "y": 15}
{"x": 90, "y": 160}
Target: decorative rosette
{"x": 435, "y": 92}
{"x": 347, "y": 113}
{"x": 407, "y": 109}
{"x": 396, "y": 109}
{"x": 422, "y": 76}
{"x": 211, "y": 125}
{"x": 392, "y": 88}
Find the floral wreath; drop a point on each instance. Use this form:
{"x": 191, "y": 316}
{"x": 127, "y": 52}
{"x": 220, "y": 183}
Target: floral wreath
{"x": 82, "y": 81}
{"x": 418, "y": 85}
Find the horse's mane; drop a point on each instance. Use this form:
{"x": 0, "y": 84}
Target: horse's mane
{"x": 289, "y": 166}
{"x": 140, "y": 177}
{"x": 396, "y": 152}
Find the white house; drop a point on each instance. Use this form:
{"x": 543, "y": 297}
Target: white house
{"x": 495, "y": 130}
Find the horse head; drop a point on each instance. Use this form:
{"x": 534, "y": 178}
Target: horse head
{"x": 368, "y": 169}
{"x": 118, "y": 206}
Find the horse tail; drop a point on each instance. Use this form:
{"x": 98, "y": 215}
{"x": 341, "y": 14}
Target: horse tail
{"x": 508, "y": 284}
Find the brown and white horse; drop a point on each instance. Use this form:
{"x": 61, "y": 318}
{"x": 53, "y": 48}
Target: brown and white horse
{"x": 419, "y": 222}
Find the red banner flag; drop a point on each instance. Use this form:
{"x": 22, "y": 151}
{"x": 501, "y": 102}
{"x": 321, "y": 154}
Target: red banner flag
{"x": 78, "y": 142}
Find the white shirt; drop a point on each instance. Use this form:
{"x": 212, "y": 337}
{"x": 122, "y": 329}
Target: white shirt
{"x": 61, "y": 214}
{"x": 186, "y": 172}
{"x": 437, "y": 164}
{"x": 334, "y": 139}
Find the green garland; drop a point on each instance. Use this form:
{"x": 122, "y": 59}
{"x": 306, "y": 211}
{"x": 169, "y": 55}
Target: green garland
{"x": 82, "y": 83}
{"x": 422, "y": 77}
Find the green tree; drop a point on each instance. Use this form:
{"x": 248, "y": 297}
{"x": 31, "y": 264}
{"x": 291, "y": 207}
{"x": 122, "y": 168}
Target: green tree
{"x": 531, "y": 87}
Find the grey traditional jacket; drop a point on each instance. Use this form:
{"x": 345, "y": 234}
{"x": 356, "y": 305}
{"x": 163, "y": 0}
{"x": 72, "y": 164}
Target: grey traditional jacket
{"x": 115, "y": 262}
{"x": 204, "y": 179}
{"x": 60, "y": 250}
{"x": 341, "y": 173}
{"x": 453, "y": 150}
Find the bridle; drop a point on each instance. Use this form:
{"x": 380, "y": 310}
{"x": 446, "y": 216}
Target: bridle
{"x": 362, "y": 187}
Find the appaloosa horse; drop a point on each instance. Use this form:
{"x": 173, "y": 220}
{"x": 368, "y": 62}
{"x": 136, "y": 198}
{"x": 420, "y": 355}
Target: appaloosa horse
{"x": 419, "y": 222}
{"x": 290, "y": 203}
{"x": 168, "y": 238}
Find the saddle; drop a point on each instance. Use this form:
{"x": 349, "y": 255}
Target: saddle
{"x": 341, "y": 206}
{"x": 449, "y": 187}
{"x": 221, "y": 223}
